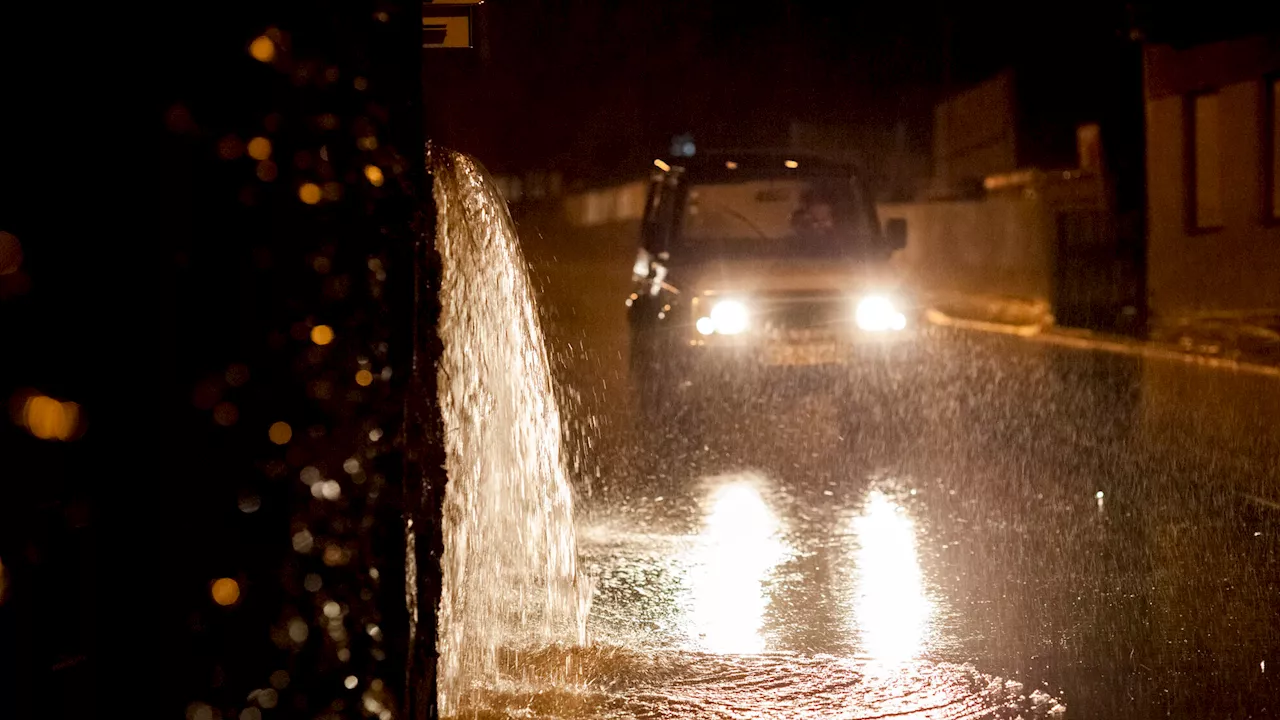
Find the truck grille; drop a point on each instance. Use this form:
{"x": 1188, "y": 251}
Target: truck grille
{"x": 780, "y": 314}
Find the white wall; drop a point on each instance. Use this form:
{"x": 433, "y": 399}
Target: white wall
{"x": 997, "y": 246}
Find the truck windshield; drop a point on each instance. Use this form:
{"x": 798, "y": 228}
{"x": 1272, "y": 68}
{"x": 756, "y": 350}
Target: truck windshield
{"x": 814, "y": 216}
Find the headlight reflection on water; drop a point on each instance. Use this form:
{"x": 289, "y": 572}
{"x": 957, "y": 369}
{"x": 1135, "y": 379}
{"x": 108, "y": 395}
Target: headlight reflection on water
{"x": 893, "y": 612}
{"x": 738, "y": 548}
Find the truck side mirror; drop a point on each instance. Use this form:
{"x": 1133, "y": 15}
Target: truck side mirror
{"x": 895, "y": 233}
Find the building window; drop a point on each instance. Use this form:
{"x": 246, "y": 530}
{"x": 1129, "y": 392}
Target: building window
{"x": 1273, "y": 145}
{"x": 1204, "y": 141}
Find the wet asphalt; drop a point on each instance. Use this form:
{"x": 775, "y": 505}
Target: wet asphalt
{"x": 1101, "y": 528}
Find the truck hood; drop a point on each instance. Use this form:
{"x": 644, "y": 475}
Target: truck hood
{"x": 783, "y": 276}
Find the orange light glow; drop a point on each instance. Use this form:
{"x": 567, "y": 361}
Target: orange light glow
{"x": 374, "y": 174}
{"x": 226, "y": 414}
{"x": 737, "y": 550}
{"x": 322, "y": 334}
{"x": 309, "y": 193}
{"x": 262, "y": 49}
{"x": 280, "y": 432}
{"x": 791, "y": 164}
{"x": 10, "y": 253}
{"x": 267, "y": 171}
{"x": 259, "y": 148}
{"x": 364, "y": 378}
{"x": 49, "y": 419}
{"x": 225, "y": 591}
{"x": 334, "y": 556}
{"x": 229, "y": 147}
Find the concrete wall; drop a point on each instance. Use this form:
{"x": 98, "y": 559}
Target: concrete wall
{"x": 993, "y": 247}
{"x": 1235, "y": 266}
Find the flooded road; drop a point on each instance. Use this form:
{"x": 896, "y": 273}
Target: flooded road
{"x": 990, "y": 528}
{"x": 960, "y": 526}
{"x": 1028, "y": 517}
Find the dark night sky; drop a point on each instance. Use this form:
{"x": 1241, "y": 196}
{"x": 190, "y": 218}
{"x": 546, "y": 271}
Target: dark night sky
{"x": 613, "y": 82}
{"x": 592, "y": 88}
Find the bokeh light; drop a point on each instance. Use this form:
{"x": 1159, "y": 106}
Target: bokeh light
{"x": 259, "y": 148}
{"x": 298, "y": 630}
{"x": 226, "y": 414}
{"x": 237, "y": 374}
{"x": 280, "y": 432}
{"x": 230, "y": 147}
{"x": 10, "y": 253}
{"x": 268, "y": 697}
{"x": 309, "y": 193}
{"x": 267, "y": 171}
{"x": 262, "y": 49}
{"x": 49, "y": 419}
{"x": 225, "y": 591}
{"x": 373, "y": 174}
{"x": 280, "y": 679}
{"x": 322, "y": 334}
{"x": 364, "y": 378}
{"x": 250, "y": 504}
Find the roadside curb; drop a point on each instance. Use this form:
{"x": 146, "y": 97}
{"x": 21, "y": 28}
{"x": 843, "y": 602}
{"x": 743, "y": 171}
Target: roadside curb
{"x": 1049, "y": 334}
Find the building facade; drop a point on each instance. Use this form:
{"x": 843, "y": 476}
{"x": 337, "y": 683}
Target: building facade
{"x": 1213, "y": 160}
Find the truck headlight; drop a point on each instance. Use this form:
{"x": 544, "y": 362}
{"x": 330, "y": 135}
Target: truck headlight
{"x": 728, "y": 317}
{"x": 876, "y": 313}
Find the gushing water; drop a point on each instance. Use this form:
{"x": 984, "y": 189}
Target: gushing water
{"x": 689, "y": 617}
{"x": 509, "y": 568}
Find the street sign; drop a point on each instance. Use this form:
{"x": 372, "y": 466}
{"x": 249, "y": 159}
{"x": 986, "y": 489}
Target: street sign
{"x": 448, "y": 25}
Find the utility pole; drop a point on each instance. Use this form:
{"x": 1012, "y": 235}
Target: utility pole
{"x": 445, "y": 33}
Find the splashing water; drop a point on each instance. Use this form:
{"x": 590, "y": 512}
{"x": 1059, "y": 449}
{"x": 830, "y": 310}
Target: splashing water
{"x": 514, "y": 606}
{"x": 509, "y": 566}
